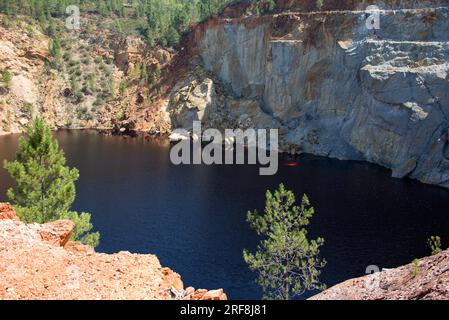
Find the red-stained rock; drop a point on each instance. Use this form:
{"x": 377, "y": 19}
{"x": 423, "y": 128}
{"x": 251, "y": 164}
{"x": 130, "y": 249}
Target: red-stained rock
{"x": 78, "y": 247}
{"x": 189, "y": 291}
{"x": 198, "y": 294}
{"x": 38, "y": 262}
{"x": 56, "y": 233}
{"x": 7, "y": 212}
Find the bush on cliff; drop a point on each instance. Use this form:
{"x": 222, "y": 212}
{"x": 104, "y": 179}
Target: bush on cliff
{"x": 45, "y": 185}
{"x": 287, "y": 262}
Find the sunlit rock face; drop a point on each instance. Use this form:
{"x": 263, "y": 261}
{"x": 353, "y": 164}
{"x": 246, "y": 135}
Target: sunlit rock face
{"x": 335, "y": 87}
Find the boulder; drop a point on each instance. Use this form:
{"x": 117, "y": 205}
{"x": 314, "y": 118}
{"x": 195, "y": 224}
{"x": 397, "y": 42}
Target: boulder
{"x": 204, "y": 295}
{"x": 78, "y": 247}
{"x": 7, "y": 212}
{"x": 56, "y": 233}
{"x": 175, "y": 137}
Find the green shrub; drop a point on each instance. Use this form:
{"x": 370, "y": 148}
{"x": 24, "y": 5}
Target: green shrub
{"x": 67, "y": 56}
{"x": 27, "y": 108}
{"x": 81, "y": 113}
{"x": 434, "y": 243}
{"x": 319, "y": 4}
{"x": 6, "y": 77}
{"x": 78, "y": 96}
{"x": 99, "y": 101}
{"x": 73, "y": 63}
{"x": 122, "y": 87}
{"x": 415, "y": 268}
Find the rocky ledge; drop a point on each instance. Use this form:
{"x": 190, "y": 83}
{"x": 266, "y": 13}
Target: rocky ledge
{"x": 41, "y": 262}
{"x": 427, "y": 279}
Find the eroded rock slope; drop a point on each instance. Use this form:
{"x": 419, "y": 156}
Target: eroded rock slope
{"x": 40, "y": 262}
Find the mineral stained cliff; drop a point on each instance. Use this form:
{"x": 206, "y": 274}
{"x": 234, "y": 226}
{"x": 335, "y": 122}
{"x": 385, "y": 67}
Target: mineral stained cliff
{"x": 40, "y": 262}
{"x": 333, "y": 86}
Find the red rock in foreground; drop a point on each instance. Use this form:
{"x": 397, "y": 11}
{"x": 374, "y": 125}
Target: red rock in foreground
{"x": 39, "y": 262}
{"x": 7, "y": 212}
{"x": 426, "y": 280}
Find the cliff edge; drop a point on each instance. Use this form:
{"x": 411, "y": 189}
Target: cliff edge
{"x": 40, "y": 262}
{"x": 427, "y": 279}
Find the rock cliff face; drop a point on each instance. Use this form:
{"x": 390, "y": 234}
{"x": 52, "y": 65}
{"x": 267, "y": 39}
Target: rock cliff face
{"x": 427, "y": 279}
{"x": 39, "y": 262}
{"x": 95, "y": 84}
{"x": 331, "y": 85}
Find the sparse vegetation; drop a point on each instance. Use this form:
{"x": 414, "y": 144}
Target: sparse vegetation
{"x": 415, "y": 268}
{"x": 27, "y": 108}
{"x": 434, "y": 243}
{"x": 122, "y": 88}
{"x": 6, "y": 78}
{"x": 55, "y": 52}
{"x": 99, "y": 101}
{"x": 112, "y": 91}
{"x": 156, "y": 21}
{"x": 319, "y": 4}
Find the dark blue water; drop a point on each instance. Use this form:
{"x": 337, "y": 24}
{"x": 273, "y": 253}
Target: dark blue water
{"x": 193, "y": 217}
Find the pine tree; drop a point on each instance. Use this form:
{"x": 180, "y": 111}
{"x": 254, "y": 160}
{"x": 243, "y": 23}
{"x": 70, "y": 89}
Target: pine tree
{"x": 45, "y": 185}
{"x": 287, "y": 262}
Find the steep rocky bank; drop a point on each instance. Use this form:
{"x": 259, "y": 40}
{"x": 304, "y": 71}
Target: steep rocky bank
{"x": 427, "y": 279}
{"x": 332, "y": 86}
{"x": 40, "y": 262}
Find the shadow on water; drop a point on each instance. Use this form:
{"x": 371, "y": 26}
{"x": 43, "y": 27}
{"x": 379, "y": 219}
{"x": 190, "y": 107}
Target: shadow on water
{"x": 193, "y": 217}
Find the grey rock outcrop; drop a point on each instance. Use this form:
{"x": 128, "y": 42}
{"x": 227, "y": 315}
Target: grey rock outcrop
{"x": 334, "y": 87}
{"x": 425, "y": 279}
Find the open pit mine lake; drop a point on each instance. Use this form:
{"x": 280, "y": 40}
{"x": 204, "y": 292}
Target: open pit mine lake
{"x": 194, "y": 217}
